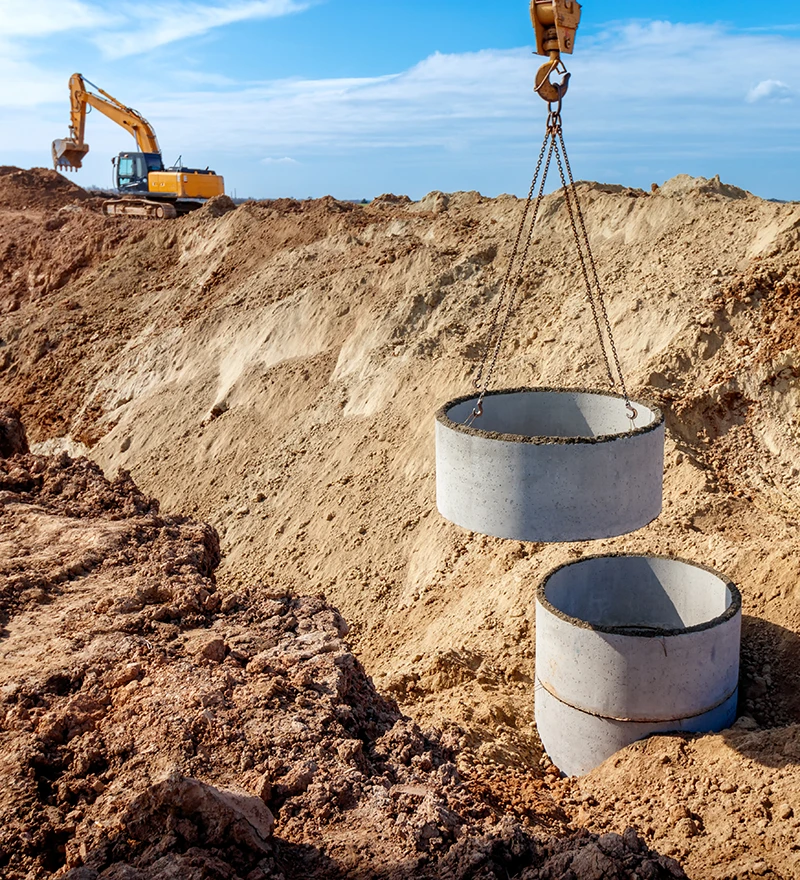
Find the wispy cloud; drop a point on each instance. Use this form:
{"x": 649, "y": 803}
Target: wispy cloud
{"x": 117, "y": 29}
{"x": 284, "y": 161}
{"x": 23, "y": 26}
{"x": 134, "y": 27}
{"x": 40, "y": 18}
{"x": 770, "y": 90}
{"x": 152, "y": 25}
{"x": 443, "y": 101}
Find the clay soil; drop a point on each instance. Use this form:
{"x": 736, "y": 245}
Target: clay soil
{"x": 182, "y": 694}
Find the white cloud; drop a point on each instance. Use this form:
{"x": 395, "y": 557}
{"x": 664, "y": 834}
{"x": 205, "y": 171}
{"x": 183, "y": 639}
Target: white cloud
{"x": 39, "y": 18}
{"x": 135, "y": 26}
{"x": 158, "y": 24}
{"x": 118, "y": 29}
{"x": 642, "y": 96}
{"x": 770, "y": 90}
{"x": 442, "y": 101}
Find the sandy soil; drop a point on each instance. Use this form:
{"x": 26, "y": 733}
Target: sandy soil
{"x": 153, "y": 726}
{"x": 274, "y": 370}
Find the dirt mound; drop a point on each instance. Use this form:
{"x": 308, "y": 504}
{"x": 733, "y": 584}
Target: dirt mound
{"x": 40, "y": 254}
{"x": 219, "y": 205}
{"x": 705, "y": 800}
{"x": 275, "y": 371}
{"x": 684, "y": 185}
{"x": 154, "y": 727}
{"x": 37, "y": 189}
{"x": 51, "y": 232}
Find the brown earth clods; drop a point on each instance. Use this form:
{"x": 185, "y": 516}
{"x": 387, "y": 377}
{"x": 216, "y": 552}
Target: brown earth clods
{"x": 274, "y": 370}
{"x": 23, "y": 189}
{"x": 154, "y": 727}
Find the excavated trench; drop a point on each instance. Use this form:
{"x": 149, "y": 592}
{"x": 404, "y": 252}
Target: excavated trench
{"x": 319, "y": 474}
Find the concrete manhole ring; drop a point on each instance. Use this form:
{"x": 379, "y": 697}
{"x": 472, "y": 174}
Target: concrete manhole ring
{"x": 629, "y": 646}
{"x": 549, "y": 464}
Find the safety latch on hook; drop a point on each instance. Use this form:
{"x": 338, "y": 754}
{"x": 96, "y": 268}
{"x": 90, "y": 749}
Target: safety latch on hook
{"x": 556, "y": 23}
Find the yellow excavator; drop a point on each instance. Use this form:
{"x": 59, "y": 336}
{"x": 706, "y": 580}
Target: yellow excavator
{"x": 146, "y": 187}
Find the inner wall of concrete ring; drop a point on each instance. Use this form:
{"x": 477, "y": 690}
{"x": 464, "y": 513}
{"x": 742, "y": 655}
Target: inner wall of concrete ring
{"x": 572, "y": 488}
{"x": 599, "y": 687}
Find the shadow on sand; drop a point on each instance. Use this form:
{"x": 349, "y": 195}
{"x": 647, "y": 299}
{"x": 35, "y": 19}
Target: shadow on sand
{"x": 769, "y": 693}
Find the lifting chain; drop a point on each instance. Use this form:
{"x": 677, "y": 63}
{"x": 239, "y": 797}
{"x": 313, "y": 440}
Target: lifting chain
{"x": 571, "y": 189}
{"x": 552, "y": 145}
{"x": 494, "y": 340}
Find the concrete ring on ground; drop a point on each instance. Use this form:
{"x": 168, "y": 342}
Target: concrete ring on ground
{"x": 629, "y": 646}
{"x": 549, "y": 464}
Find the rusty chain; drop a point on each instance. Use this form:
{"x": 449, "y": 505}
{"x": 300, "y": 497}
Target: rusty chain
{"x": 497, "y": 343}
{"x": 598, "y": 287}
{"x": 569, "y": 195}
{"x": 554, "y": 137}
{"x": 515, "y": 250}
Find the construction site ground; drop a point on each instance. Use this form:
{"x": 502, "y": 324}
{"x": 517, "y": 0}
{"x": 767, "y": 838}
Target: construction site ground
{"x": 290, "y": 664}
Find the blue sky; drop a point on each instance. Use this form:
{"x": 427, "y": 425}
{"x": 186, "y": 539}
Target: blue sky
{"x": 356, "y": 98}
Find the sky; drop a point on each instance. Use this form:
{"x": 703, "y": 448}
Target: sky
{"x": 354, "y": 98}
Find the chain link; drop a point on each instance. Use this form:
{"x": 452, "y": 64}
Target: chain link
{"x": 503, "y": 288}
{"x": 554, "y": 137}
{"x": 598, "y": 286}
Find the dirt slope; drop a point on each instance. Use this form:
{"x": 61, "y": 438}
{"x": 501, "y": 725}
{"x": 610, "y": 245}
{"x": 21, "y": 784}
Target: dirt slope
{"x": 727, "y": 806}
{"x": 275, "y": 370}
{"x": 154, "y": 727}
{"x": 51, "y": 233}
{"x": 34, "y": 189}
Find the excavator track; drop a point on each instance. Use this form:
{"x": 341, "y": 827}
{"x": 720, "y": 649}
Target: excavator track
{"x": 148, "y": 189}
{"x": 140, "y": 208}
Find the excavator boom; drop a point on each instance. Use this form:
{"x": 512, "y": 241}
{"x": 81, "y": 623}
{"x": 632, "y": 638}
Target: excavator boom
{"x": 68, "y": 152}
{"x": 148, "y": 189}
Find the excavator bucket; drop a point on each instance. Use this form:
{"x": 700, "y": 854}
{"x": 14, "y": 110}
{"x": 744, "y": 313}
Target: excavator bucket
{"x": 68, "y": 154}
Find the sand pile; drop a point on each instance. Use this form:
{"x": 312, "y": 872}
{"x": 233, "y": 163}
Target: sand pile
{"x": 51, "y": 232}
{"x": 35, "y": 189}
{"x": 154, "y": 726}
{"x": 275, "y": 371}
{"x": 727, "y": 805}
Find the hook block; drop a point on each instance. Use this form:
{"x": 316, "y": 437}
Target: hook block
{"x": 555, "y": 23}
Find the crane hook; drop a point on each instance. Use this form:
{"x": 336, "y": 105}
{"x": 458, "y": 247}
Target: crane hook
{"x": 551, "y": 92}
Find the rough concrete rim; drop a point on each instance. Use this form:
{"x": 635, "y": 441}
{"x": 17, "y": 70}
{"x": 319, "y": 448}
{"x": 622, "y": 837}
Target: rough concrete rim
{"x": 443, "y": 417}
{"x": 649, "y": 633}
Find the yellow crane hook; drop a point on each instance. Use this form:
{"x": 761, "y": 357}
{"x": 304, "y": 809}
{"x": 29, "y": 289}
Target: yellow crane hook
{"x": 555, "y": 23}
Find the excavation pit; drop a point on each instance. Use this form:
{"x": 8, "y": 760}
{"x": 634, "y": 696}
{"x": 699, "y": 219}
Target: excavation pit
{"x": 549, "y": 465}
{"x": 630, "y": 646}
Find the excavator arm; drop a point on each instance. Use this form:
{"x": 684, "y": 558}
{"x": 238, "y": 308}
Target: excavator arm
{"x": 68, "y": 152}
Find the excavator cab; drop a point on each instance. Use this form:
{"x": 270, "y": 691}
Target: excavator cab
{"x": 133, "y": 170}
{"x": 168, "y": 191}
